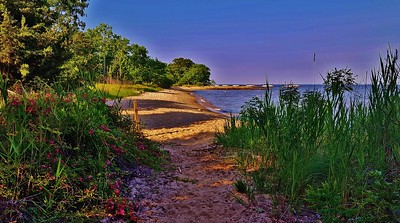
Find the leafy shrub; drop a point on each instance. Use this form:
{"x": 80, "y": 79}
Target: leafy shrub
{"x": 62, "y": 154}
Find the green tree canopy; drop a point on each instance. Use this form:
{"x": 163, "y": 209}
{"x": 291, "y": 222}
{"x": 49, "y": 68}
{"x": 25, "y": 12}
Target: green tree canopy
{"x": 185, "y": 72}
{"x": 35, "y": 35}
{"x": 108, "y": 56}
{"x": 45, "y": 38}
{"x": 178, "y": 68}
{"x": 198, "y": 74}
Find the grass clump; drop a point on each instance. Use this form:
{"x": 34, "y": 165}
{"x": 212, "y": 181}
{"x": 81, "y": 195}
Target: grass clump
{"x": 337, "y": 155}
{"x": 114, "y": 91}
{"x": 63, "y": 156}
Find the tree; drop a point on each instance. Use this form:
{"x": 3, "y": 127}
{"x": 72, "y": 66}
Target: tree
{"x": 35, "y": 36}
{"x": 184, "y": 71}
{"x": 120, "y": 63}
{"x": 157, "y": 73}
{"x": 83, "y": 58}
{"x": 103, "y": 39}
{"x": 138, "y": 57}
{"x": 198, "y": 74}
{"x": 178, "y": 68}
{"x": 100, "y": 51}
{"x": 10, "y": 45}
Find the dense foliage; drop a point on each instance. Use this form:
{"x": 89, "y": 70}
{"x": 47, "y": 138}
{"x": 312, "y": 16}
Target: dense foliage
{"x": 35, "y": 36}
{"x": 338, "y": 156}
{"x": 45, "y": 39}
{"x": 110, "y": 56}
{"x": 62, "y": 149}
{"x": 62, "y": 156}
{"x": 185, "y": 72}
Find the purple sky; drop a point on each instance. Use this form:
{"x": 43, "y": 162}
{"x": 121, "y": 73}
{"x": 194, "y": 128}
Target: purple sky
{"x": 246, "y": 41}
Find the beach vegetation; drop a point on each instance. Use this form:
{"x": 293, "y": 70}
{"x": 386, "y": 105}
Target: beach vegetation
{"x": 65, "y": 155}
{"x": 323, "y": 150}
{"x": 114, "y": 91}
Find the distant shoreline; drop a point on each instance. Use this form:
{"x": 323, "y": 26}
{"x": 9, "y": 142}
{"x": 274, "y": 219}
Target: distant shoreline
{"x": 223, "y": 87}
{"x": 245, "y": 87}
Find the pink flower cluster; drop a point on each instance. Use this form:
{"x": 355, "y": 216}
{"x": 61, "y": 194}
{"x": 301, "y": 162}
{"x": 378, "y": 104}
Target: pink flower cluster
{"x": 116, "y": 149}
{"x": 122, "y": 208}
{"x": 104, "y": 128}
{"x": 116, "y": 186}
{"x": 141, "y": 146}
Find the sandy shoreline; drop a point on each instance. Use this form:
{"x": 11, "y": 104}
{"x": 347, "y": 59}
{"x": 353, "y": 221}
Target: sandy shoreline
{"x": 173, "y": 114}
{"x": 224, "y": 87}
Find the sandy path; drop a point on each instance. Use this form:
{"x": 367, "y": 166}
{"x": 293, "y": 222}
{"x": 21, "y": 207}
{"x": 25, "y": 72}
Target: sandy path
{"x": 199, "y": 186}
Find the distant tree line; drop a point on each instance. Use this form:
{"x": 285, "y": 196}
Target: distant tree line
{"x": 46, "y": 39}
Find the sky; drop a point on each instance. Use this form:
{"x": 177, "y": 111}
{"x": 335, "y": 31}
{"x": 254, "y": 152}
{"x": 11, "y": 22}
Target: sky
{"x": 252, "y": 41}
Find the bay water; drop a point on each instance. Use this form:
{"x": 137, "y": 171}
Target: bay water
{"x": 231, "y": 101}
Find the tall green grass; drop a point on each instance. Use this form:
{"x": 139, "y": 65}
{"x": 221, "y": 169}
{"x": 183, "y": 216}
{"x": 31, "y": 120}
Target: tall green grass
{"x": 336, "y": 156}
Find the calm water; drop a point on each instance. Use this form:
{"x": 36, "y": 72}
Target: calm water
{"x": 231, "y": 101}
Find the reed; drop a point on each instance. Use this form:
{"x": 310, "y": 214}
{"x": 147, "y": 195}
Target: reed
{"x": 322, "y": 149}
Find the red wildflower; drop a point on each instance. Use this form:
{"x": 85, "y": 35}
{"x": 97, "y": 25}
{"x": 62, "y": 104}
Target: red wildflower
{"x": 30, "y": 109}
{"x": 142, "y": 147}
{"x": 15, "y": 102}
{"x": 104, "y": 128}
{"x": 121, "y": 212}
{"x": 49, "y": 97}
{"x": 110, "y": 205}
{"x": 108, "y": 163}
{"x": 91, "y": 131}
{"x": 47, "y": 111}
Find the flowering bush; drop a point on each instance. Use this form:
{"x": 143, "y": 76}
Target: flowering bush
{"x": 60, "y": 154}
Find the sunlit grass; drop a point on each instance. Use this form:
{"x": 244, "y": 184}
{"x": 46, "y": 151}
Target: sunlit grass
{"x": 124, "y": 90}
{"x": 341, "y": 159}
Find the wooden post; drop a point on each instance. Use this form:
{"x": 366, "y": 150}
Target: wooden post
{"x": 136, "y": 115}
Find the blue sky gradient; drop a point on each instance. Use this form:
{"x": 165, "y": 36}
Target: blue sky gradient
{"x": 247, "y": 41}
